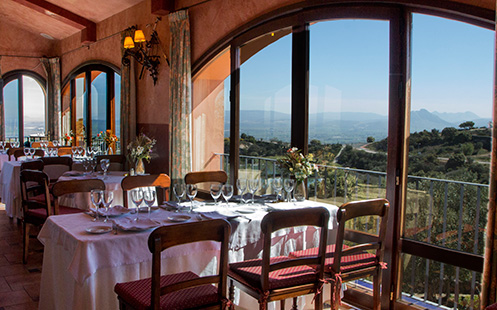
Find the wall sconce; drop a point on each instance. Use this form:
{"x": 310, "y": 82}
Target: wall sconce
{"x": 145, "y": 52}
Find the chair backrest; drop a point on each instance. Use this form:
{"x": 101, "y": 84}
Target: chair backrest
{"x": 12, "y": 150}
{"x": 280, "y": 219}
{"x": 34, "y": 183}
{"x": 20, "y": 153}
{"x": 33, "y": 165}
{"x": 168, "y": 236}
{"x": 56, "y": 166}
{"x": 116, "y": 162}
{"x": 61, "y": 188}
{"x": 359, "y": 241}
{"x": 161, "y": 181}
{"x": 64, "y": 150}
{"x": 206, "y": 176}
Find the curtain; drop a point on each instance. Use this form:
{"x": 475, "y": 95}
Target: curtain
{"x": 489, "y": 277}
{"x": 52, "y": 70}
{"x": 180, "y": 95}
{"x": 128, "y": 101}
{"x": 2, "y": 116}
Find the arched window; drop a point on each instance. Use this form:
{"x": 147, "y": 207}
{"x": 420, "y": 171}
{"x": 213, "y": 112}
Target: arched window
{"x": 91, "y": 105}
{"x": 24, "y": 106}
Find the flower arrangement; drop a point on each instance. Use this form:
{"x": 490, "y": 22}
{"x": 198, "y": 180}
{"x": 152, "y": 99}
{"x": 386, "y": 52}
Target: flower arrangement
{"x": 108, "y": 137}
{"x": 68, "y": 137}
{"x": 140, "y": 148}
{"x": 300, "y": 166}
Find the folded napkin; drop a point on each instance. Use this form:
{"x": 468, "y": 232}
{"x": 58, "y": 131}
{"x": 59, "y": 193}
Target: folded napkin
{"x": 219, "y": 214}
{"x": 114, "y": 211}
{"x": 73, "y": 174}
{"x": 132, "y": 225}
{"x": 170, "y": 205}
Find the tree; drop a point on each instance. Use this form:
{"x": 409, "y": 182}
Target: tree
{"x": 448, "y": 134}
{"x": 370, "y": 139}
{"x": 455, "y": 161}
{"x": 467, "y": 125}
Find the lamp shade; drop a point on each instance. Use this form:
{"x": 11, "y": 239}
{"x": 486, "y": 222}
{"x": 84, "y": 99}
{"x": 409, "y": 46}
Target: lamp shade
{"x": 139, "y": 36}
{"x": 128, "y": 42}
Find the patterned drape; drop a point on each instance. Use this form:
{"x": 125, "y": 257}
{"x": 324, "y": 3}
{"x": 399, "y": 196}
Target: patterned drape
{"x": 489, "y": 277}
{"x": 52, "y": 70}
{"x": 2, "y": 116}
{"x": 180, "y": 95}
{"x": 128, "y": 101}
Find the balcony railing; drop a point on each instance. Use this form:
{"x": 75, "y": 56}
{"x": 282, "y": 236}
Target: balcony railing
{"x": 446, "y": 213}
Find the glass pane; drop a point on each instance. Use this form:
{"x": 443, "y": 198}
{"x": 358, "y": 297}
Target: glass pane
{"x": 265, "y": 103}
{"x": 210, "y": 114}
{"x": 81, "y": 117}
{"x": 117, "y": 106}
{"x": 98, "y": 102}
{"x": 348, "y": 108}
{"x": 450, "y": 145}
{"x": 34, "y": 109}
{"x": 66, "y": 112}
{"x": 11, "y": 110}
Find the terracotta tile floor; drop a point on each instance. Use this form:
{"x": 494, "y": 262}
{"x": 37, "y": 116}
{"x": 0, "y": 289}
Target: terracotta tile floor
{"x": 19, "y": 283}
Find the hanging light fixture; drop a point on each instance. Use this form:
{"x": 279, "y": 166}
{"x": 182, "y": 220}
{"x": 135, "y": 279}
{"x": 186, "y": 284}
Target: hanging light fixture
{"x": 145, "y": 52}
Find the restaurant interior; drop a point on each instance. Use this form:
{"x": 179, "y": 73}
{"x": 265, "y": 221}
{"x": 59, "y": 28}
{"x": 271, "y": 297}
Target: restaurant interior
{"x": 171, "y": 71}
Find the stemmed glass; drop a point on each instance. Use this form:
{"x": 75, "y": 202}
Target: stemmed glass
{"x": 86, "y": 165}
{"x": 149, "y": 198}
{"x": 55, "y": 143}
{"x": 31, "y": 152}
{"x": 241, "y": 184}
{"x": 277, "y": 186}
{"x": 253, "y": 185}
{"x": 104, "y": 164}
{"x": 80, "y": 150}
{"x": 74, "y": 151}
{"x": 191, "y": 192}
{"x": 288, "y": 185}
{"x": 227, "y": 191}
{"x": 264, "y": 186}
{"x": 15, "y": 144}
{"x": 2, "y": 145}
{"x": 93, "y": 164}
{"x": 96, "y": 199}
{"x": 26, "y": 152}
{"x": 107, "y": 198}
{"x": 137, "y": 198}
{"x": 179, "y": 191}
{"x": 215, "y": 192}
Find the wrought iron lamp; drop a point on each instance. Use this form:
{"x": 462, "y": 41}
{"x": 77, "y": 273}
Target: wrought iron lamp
{"x": 145, "y": 52}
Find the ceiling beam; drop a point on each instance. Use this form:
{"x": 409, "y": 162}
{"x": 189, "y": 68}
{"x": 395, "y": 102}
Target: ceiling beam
{"x": 87, "y": 27}
{"x": 162, "y": 7}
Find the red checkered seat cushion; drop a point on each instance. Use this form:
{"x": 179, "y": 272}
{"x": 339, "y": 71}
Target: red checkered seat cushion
{"x": 348, "y": 263}
{"x": 138, "y": 293}
{"x": 249, "y": 273}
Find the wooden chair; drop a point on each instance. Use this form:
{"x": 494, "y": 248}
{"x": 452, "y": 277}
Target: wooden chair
{"x": 20, "y": 153}
{"x": 116, "y": 162}
{"x": 161, "y": 181}
{"x": 197, "y": 177}
{"x": 355, "y": 260}
{"x": 37, "y": 203}
{"x": 64, "y": 150}
{"x": 12, "y": 150}
{"x": 61, "y": 188}
{"x": 184, "y": 290}
{"x": 278, "y": 278}
{"x": 56, "y": 166}
{"x": 33, "y": 165}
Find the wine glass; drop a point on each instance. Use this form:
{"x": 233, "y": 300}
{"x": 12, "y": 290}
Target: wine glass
{"x": 104, "y": 164}
{"x": 93, "y": 164}
{"x": 179, "y": 191}
{"x": 227, "y": 191}
{"x": 215, "y": 192}
{"x": 15, "y": 144}
{"x": 74, "y": 150}
{"x": 107, "y": 198}
{"x": 55, "y": 143}
{"x": 2, "y": 145}
{"x": 191, "y": 192}
{"x": 149, "y": 198}
{"x": 96, "y": 199}
{"x": 277, "y": 186}
{"x": 137, "y": 198}
{"x": 26, "y": 152}
{"x": 86, "y": 165}
{"x": 253, "y": 185}
{"x": 241, "y": 184}
{"x": 80, "y": 150}
{"x": 31, "y": 152}
{"x": 89, "y": 151}
{"x": 288, "y": 185}
{"x": 264, "y": 186}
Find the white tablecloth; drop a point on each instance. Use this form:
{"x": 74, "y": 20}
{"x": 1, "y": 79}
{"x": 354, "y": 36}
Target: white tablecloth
{"x": 11, "y": 188}
{"x": 80, "y": 269}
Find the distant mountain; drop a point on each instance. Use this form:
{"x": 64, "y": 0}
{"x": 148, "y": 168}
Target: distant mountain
{"x": 344, "y": 127}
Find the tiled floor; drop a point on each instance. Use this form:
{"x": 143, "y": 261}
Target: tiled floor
{"x": 19, "y": 283}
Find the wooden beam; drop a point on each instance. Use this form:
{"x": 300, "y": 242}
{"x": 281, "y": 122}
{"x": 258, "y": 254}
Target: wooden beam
{"x": 162, "y": 7}
{"x": 87, "y": 27}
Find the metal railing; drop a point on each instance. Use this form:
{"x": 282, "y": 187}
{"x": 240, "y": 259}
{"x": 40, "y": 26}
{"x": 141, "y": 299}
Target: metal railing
{"x": 446, "y": 213}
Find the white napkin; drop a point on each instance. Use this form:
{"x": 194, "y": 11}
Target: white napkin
{"x": 130, "y": 224}
{"x": 114, "y": 211}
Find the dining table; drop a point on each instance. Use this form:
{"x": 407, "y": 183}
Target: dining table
{"x": 84, "y": 259}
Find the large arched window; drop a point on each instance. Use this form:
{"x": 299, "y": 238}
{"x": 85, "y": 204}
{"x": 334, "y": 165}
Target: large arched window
{"x": 24, "y": 106}
{"x": 392, "y": 102}
{"x": 91, "y": 104}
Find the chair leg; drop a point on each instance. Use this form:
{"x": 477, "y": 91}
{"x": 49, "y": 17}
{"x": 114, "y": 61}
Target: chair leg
{"x": 376, "y": 291}
{"x": 318, "y": 301}
{"x": 25, "y": 241}
{"x": 294, "y": 305}
{"x": 231, "y": 293}
{"x": 282, "y": 304}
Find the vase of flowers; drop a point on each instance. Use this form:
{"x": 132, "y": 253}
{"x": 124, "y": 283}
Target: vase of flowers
{"x": 299, "y": 167}
{"x": 110, "y": 140}
{"x": 68, "y": 138}
{"x": 140, "y": 149}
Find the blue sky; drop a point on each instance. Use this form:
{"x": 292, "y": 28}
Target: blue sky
{"x": 452, "y": 68}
